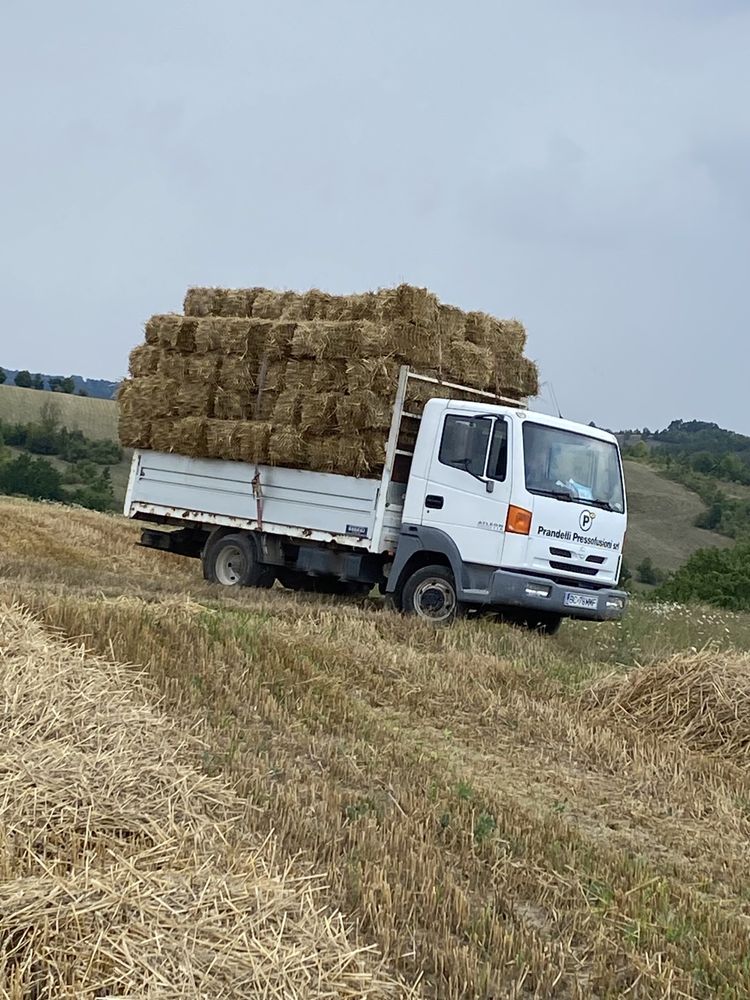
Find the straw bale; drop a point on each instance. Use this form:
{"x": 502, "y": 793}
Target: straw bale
{"x": 220, "y": 301}
{"x": 287, "y": 446}
{"x": 410, "y": 304}
{"x": 348, "y": 455}
{"x": 288, "y": 408}
{"x": 172, "y": 365}
{"x": 144, "y": 360}
{"x": 310, "y": 339}
{"x": 272, "y": 305}
{"x": 318, "y": 411}
{"x": 127, "y": 871}
{"x": 196, "y": 399}
{"x": 229, "y": 404}
{"x": 279, "y": 342}
{"x": 529, "y": 378}
{"x": 471, "y": 365}
{"x": 363, "y": 410}
{"x": 173, "y": 331}
{"x": 354, "y": 307}
{"x": 451, "y": 323}
{"x": 238, "y": 440}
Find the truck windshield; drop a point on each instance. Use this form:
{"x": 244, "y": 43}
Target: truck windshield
{"x": 572, "y": 466}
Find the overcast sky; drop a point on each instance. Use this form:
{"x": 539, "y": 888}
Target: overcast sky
{"x": 584, "y": 166}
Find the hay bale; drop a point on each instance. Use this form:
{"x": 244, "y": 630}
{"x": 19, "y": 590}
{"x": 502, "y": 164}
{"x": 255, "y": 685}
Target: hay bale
{"x": 172, "y": 331}
{"x": 529, "y": 378}
{"x": 409, "y": 304}
{"x": 287, "y": 446}
{"x": 172, "y": 365}
{"x": 220, "y": 301}
{"x": 348, "y": 455}
{"x": 272, "y": 305}
{"x": 363, "y": 410}
{"x": 471, "y": 365}
{"x": 701, "y": 700}
{"x": 143, "y": 360}
{"x": 318, "y": 411}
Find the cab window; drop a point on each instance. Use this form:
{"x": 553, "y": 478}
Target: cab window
{"x": 465, "y": 443}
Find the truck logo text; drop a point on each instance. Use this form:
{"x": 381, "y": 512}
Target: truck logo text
{"x": 573, "y": 536}
{"x": 586, "y": 519}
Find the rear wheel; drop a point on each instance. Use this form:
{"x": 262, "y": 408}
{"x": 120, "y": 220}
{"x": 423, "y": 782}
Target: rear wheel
{"x": 232, "y": 561}
{"x": 430, "y": 594}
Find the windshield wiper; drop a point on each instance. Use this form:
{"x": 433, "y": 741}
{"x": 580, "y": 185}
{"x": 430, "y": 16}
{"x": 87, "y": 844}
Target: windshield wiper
{"x": 558, "y": 494}
{"x": 604, "y": 504}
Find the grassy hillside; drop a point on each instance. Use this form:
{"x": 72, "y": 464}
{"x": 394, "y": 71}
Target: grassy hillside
{"x": 661, "y": 516}
{"x": 501, "y": 814}
{"x": 96, "y": 418}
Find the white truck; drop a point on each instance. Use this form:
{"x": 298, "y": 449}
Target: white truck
{"x": 496, "y": 509}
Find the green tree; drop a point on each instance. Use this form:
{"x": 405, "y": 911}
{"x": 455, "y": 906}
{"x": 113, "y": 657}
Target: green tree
{"x": 37, "y": 382}
{"x": 31, "y": 477}
{"x": 23, "y": 379}
{"x": 713, "y": 576}
{"x": 647, "y": 573}
{"x": 60, "y": 384}
{"x": 3, "y": 376}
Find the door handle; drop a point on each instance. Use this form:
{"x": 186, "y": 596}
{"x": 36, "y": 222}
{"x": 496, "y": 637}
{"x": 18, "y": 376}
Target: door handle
{"x": 433, "y": 502}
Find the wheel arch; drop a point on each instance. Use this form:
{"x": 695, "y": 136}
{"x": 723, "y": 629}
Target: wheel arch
{"x": 419, "y": 547}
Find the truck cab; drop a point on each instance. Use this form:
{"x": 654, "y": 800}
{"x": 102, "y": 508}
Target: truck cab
{"x": 527, "y": 512}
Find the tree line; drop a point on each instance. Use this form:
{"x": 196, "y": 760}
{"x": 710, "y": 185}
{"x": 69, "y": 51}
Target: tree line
{"x": 58, "y": 383}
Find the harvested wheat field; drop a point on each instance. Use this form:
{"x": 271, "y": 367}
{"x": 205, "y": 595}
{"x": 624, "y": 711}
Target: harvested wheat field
{"x": 497, "y": 814}
{"x": 306, "y": 379}
{"x": 127, "y": 870}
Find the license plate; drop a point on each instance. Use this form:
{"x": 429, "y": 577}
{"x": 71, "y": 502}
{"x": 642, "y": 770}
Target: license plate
{"x": 581, "y": 601}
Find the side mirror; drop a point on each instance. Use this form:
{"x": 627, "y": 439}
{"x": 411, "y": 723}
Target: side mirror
{"x": 489, "y": 485}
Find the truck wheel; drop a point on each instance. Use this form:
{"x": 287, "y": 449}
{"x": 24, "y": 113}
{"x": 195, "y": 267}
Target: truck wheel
{"x": 232, "y": 561}
{"x": 430, "y": 593}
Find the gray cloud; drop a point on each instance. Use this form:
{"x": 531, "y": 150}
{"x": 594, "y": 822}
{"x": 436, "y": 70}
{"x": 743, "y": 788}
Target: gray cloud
{"x": 581, "y": 166}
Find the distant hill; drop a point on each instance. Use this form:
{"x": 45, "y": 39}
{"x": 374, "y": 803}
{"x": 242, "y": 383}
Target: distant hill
{"x": 705, "y": 447}
{"x": 99, "y": 388}
{"x": 96, "y": 418}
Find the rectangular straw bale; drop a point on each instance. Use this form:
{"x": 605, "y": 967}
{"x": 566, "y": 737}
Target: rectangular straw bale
{"x": 163, "y": 434}
{"x": 144, "y": 360}
{"x": 196, "y": 399}
{"x": 279, "y": 340}
{"x": 238, "y": 440}
{"x": 510, "y": 332}
{"x": 316, "y": 304}
{"x": 237, "y": 374}
{"x": 358, "y": 339}
{"x": 220, "y": 301}
{"x": 173, "y": 365}
{"x": 363, "y": 410}
{"x": 272, "y": 305}
{"x": 529, "y": 378}
{"x": 288, "y": 408}
{"x": 233, "y": 405}
{"x": 298, "y": 374}
{"x": 354, "y": 307}
{"x": 311, "y": 339}
{"x": 153, "y": 396}
{"x": 478, "y": 329}
{"x": 409, "y": 304}
{"x": 348, "y": 455}
{"x": 287, "y": 446}
{"x": 318, "y": 411}
{"x": 190, "y": 436}
{"x": 378, "y": 374}
{"x": 471, "y": 365}
{"x": 451, "y": 324}
{"x": 219, "y": 435}
{"x": 172, "y": 331}
{"x": 134, "y": 431}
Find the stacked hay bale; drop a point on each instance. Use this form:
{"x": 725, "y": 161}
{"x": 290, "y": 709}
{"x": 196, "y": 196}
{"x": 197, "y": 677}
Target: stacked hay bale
{"x": 306, "y": 380}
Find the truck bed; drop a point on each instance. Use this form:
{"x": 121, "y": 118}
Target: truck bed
{"x": 173, "y": 489}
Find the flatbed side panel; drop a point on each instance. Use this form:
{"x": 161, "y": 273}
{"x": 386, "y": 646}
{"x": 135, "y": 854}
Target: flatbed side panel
{"x": 292, "y": 501}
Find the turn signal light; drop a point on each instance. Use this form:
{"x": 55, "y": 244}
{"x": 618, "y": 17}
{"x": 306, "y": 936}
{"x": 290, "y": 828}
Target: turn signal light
{"x": 518, "y": 521}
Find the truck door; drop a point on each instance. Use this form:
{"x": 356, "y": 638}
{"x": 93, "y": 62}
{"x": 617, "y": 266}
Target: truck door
{"x": 468, "y": 485}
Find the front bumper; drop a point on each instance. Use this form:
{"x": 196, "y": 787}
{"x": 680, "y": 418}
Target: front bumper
{"x": 520, "y": 590}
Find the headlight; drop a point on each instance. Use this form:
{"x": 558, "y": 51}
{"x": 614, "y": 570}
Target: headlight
{"x": 614, "y": 603}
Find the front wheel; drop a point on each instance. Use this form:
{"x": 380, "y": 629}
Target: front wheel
{"x": 430, "y": 594}
{"x": 232, "y": 561}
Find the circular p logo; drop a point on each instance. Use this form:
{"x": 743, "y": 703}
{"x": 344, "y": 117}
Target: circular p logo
{"x": 586, "y": 519}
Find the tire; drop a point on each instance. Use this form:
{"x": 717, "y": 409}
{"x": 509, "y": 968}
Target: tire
{"x": 232, "y": 561}
{"x": 430, "y": 594}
